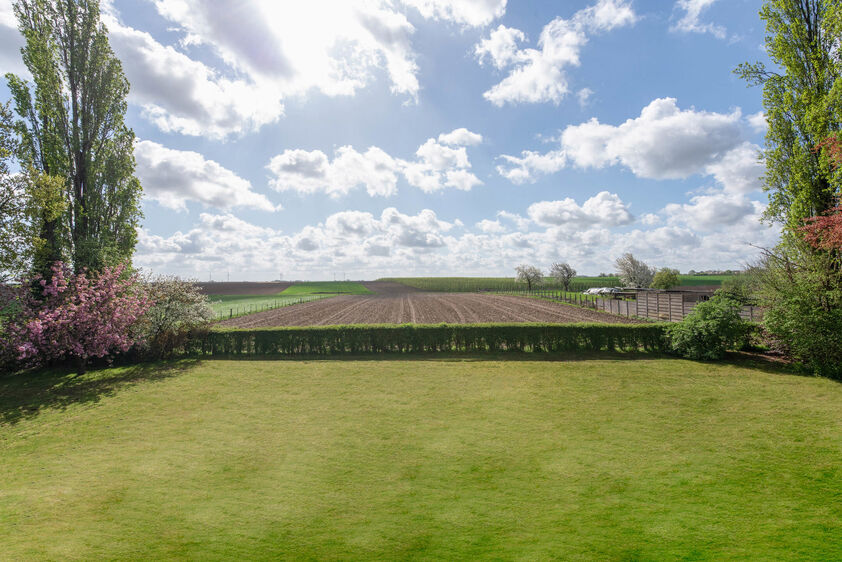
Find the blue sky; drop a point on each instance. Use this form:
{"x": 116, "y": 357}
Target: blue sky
{"x": 439, "y": 137}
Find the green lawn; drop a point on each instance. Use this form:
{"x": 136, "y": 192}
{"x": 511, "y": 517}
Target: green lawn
{"x": 609, "y": 459}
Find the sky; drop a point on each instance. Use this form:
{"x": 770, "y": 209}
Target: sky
{"x": 358, "y": 139}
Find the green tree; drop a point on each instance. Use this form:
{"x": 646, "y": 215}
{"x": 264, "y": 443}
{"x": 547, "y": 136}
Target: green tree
{"x": 666, "y": 278}
{"x": 563, "y": 273}
{"x": 72, "y": 126}
{"x": 802, "y": 102}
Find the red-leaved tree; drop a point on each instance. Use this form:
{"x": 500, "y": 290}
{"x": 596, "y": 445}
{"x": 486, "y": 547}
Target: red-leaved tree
{"x": 77, "y": 317}
{"x": 825, "y": 231}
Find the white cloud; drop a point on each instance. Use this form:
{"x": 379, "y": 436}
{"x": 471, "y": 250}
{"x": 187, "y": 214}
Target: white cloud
{"x": 311, "y": 172}
{"x": 712, "y": 212}
{"x": 181, "y": 95}
{"x": 757, "y": 121}
{"x": 175, "y": 177}
{"x": 604, "y": 208}
{"x": 490, "y": 226}
{"x": 690, "y": 20}
{"x": 365, "y": 245}
{"x": 665, "y": 142}
{"x": 467, "y": 12}
{"x": 11, "y": 42}
{"x": 530, "y": 165}
{"x": 460, "y": 137}
{"x": 539, "y": 75}
{"x": 436, "y": 167}
{"x": 739, "y": 170}
{"x": 584, "y": 96}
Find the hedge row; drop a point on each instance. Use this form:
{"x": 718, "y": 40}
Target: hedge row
{"x": 410, "y": 338}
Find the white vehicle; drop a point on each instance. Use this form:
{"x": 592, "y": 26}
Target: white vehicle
{"x": 602, "y": 291}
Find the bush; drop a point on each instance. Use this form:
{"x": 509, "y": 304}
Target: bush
{"x": 713, "y": 327}
{"x": 666, "y": 278}
{"x": 802, "y": 293}
{"x": 178, "y": 309}
{"x": 77, "y": 317}
{"x": 364, "y": 339}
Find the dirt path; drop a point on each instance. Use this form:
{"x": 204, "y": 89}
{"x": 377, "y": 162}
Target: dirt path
{"x": 392, "y": 305}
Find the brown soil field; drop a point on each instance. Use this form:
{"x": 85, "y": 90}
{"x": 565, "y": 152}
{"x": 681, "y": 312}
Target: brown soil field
{"x": 242, "y": 288}
{"x": 392, "y": 306}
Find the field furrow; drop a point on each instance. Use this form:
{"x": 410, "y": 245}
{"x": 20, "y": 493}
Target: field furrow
{"x": 392, "y": 304}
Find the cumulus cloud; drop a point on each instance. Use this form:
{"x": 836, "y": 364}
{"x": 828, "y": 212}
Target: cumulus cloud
{"x": 466, "y": 12}
{"x": 707, "y": 232}
{"x": 604, "y": 208}
{"x": 739, "y": 170}
{"x": 664, "y": 142}
{"x": 490, "y": 226}
{"x": 530, "y": 165}
{"x": 11, "y": 42}
{"x": 311, "y": 171}
{"x": 712, "y": 212}
{"x": 175, "y": 177}
{"x": 690, "y": 21}
{"x": 436, "y": 166}
{"x": 539, "y": 75}
{"x": 460, "y": 137}
{"x": 225, "y": 240}
{"x": 266, "y": 52}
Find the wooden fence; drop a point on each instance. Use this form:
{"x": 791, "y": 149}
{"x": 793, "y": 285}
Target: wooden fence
{"x": 666, "y": 307}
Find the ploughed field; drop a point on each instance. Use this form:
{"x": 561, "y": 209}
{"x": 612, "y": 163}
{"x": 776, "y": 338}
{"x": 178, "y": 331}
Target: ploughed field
{"x": 392, "y": 303}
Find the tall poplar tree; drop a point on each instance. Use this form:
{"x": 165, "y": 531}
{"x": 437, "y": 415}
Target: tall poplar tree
{"x": 802, "y": 106}
{"x": 72, "y": 126}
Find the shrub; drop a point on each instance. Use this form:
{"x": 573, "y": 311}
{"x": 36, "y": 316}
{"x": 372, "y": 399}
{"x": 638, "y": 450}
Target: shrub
{"x": 364, "y": 339}
{"x": 178, "y": 309}
{"x": 802, "y": 293}
{"x": 666, "y": 278}
{"x": 77, "y": 317}
{"x": 713, "y": 327}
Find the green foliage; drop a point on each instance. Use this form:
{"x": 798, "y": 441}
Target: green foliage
{"x": 72, "y": 127}
{"x": 666, "y": 278}
{"x": 178, "y": 309}
{"x": 802, "y": 293}
{"x": 411, "y": 338}
{"x": 711, "y": 329}
{"x": 743, "y": 288}
{"x": 802, "y": 104}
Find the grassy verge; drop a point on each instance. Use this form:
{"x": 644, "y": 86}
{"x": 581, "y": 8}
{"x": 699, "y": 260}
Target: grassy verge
{"x": 444, "y": 459}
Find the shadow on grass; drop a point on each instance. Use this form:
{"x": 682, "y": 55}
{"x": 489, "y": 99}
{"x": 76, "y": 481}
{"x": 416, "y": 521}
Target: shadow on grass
{"x": 740, "y": 360}
{"x": 25, "y": 395}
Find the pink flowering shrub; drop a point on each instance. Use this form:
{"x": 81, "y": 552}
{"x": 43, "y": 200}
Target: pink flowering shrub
{"x": 78, "y": 317}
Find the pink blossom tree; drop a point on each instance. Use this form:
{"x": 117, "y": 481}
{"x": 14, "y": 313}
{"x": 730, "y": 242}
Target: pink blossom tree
{"x": 77, "y": 316}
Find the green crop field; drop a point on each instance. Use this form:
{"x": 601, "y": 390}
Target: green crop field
{"x": 455, "y": 459}
{"x": 578, "y": 284}
{"x": 326, "y": 287}
{"x": 228, "y": 306}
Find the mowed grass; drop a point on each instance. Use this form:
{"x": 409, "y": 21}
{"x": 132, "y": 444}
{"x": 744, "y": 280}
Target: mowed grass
{"x": 236, "y": 305}
{"x": 611, "y": 459}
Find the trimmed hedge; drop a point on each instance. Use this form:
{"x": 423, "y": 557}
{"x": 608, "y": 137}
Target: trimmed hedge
{"x": 413, "y": 338}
